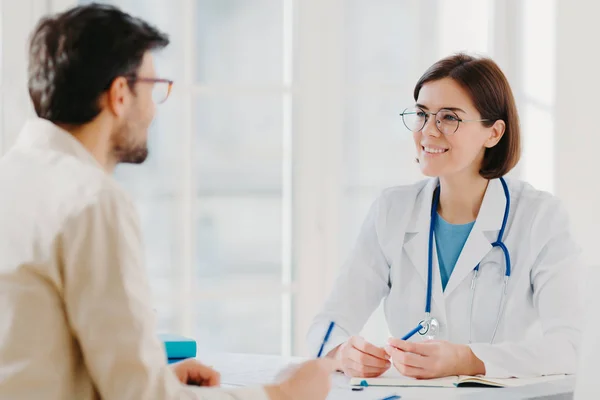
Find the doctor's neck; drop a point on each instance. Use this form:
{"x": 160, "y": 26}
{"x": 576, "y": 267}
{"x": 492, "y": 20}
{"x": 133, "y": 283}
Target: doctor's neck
{"x": 461, "y": 196}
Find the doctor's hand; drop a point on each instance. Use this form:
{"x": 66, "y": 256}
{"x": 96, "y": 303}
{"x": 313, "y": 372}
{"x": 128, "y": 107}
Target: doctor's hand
{"x": 433, "y": 359}
{"x": 191, "y": 372}
{"x": 359, "y": 358}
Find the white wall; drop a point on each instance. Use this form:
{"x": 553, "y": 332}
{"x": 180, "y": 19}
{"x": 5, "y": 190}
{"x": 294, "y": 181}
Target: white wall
{"x": 318, "y": 123}
{"x": 18, "y": 19}
{"x": 577, "y": 128}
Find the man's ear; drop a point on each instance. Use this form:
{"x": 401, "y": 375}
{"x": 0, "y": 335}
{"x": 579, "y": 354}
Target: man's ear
{"x": 118, "y": 96}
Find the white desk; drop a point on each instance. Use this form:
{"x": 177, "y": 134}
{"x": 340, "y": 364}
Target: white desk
{"x": 252, "y": 370}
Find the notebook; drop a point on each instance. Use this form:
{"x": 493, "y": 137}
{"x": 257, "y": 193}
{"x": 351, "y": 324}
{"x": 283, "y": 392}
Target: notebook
{"x": 451, "y": 381}
{"x": 178, "y": 347}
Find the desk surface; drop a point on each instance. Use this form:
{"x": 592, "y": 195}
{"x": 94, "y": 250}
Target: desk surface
{"x": 252, "y": 370}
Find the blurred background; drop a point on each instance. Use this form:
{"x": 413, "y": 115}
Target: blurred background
{"x": 283, "y": 127}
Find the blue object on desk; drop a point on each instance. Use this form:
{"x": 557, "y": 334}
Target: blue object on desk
{"x": 394, "y": 397}
{"x": 178, "y": 347}
{"x": 174, "y": 360}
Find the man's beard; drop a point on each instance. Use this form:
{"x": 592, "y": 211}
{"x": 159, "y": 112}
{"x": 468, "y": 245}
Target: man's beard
{"x": 124, "y": 146}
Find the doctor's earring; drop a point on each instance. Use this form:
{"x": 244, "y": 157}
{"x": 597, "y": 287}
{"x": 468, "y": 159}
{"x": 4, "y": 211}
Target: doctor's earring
{"x": 417, "y": 160}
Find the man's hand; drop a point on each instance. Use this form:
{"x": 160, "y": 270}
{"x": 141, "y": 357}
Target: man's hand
{"x": 311, "y": 380}
{"x": 191, "y": 372}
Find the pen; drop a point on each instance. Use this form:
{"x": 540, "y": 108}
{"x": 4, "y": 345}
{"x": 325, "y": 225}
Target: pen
{"x": 394, "y": 397}
{"x": 325, "y": 339}
{"x": 411, "y": 333}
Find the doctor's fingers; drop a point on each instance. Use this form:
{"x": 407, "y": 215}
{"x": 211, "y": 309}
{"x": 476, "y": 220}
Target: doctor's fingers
{"x": 424, "y": 349}
{"x": 354, "y": 369}
{"x": 408, "y": 359}
{"x": 413, "y": 372}
{"x": 368, "y": 348}
{"x": 368, "y": 360}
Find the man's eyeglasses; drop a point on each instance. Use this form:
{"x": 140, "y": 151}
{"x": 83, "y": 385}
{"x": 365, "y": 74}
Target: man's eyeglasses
{"x": 161, "y": 89}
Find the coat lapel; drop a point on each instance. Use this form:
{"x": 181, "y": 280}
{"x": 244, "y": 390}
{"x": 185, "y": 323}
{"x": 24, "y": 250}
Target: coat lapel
{"x": 478, "y": 245}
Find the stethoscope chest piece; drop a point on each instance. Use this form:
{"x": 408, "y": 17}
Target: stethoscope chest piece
{"x": 431, "y": 328}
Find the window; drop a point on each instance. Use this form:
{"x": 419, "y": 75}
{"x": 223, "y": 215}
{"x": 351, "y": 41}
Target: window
{"x": 214, "y": 193}
{"x": 282, "y": 129}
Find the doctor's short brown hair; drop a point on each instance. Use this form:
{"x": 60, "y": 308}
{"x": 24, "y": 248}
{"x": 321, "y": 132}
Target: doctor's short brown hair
{"x": 492, "y": 96}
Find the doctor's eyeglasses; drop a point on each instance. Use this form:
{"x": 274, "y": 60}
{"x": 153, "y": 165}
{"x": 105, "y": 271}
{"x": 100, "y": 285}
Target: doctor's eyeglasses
{"x": 446, "y": 121}
{"x": 161, "y": 89}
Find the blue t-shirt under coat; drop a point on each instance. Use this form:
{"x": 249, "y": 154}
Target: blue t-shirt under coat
{"x": 449, "y": 242}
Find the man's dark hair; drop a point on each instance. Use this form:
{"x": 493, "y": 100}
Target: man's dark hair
{"x": 75, "y": 56}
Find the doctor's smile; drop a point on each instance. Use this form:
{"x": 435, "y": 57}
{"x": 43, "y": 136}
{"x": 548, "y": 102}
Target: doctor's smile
{"x": 433, "y": 150}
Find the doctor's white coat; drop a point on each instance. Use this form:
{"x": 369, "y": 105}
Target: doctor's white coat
{"x": 540, "y": 328}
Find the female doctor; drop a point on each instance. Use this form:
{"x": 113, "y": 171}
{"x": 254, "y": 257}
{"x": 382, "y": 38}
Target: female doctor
{"x": 481, "y": 270}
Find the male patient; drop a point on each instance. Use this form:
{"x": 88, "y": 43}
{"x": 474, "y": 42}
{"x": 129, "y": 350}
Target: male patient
{"x": 76, "y": 320}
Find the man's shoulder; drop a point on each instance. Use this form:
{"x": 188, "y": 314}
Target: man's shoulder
{"x": 63, "y": 183}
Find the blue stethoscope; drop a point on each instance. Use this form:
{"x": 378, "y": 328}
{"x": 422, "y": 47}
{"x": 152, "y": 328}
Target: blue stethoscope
{"x": 430, "y": 326}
